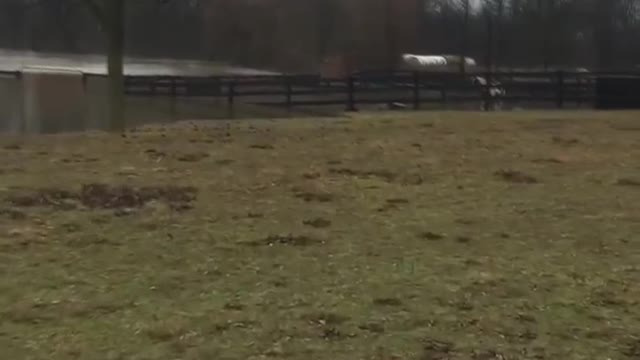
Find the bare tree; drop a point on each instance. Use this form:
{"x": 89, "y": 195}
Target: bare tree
{"x": 464, "y": 47}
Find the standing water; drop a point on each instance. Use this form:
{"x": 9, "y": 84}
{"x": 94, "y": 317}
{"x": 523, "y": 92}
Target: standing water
{"x": 50, "y": 86}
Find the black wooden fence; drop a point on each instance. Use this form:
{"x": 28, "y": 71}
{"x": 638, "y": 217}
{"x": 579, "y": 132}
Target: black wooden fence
{"x": 558, "y": 89}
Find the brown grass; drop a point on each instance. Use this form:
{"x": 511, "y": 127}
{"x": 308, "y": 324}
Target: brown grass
{"x": 393, "y": 236}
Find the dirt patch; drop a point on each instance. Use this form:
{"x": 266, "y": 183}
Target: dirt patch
{"x": 255, "y": 215}
{"x": 12, "y": 214}
{"x": 628, "y": 182}
{"x": 397, "y": 201}
{"x": 392, "y": 204}
{"x": 262, "y": 147}
{"x": 193, "y": 157}
{"x": 79, "y": 158}
{"x": 102, "y": 196}
{"x": 288, "y": 240}
{"x": 12, "y": 147}
{"x": 375, "y": 328}
{"x": 436, "y": 350}
{"x": 234, "y": 306}
{"x": 625, "y": 128}
{"x": 550, "y": 160}
{"x": 311, "y": 175}
{"x": 387, "y": 301}
{"x": 565, "y": 141}
{"x": 318, "y": 223}
{"x": 327, "y": 324}
{"x": 333, "y": 334}
{"x": 428, "y": 235}
{"x": 323, "y": 319}
{"x": 225, "y": 162}
{"x": 487, "y": 355}
{"x": 384, "y": 175}
{"x": 632, "y": 349}
{"x": 155, "y": 155}
{"x": 516, "y": 177}
{"x": 314, "y": 197}
{"x": 44, "y": 197}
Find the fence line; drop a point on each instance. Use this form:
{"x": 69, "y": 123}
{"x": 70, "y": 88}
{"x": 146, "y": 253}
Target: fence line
{"x": 555, "y": 88}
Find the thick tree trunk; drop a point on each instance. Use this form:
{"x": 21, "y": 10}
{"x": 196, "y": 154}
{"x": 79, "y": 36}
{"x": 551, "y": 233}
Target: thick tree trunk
{"x": 114, "y": 14}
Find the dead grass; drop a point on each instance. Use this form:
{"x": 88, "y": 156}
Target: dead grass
{"x": 395, "y": 236}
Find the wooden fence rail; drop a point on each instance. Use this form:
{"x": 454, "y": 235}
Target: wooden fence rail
{"x": 554, "y": 89}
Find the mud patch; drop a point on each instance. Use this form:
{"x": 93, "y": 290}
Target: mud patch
{"x": 392, "y": 204}
{"x": 564, "y": 141}
{"x": 516, "y": 177}
{"x": 311, "y": 175}
{"x": 624, "y": 127}
{"x": 632, "y": 350}
{"x": 79, "y": 158}
{"x": 286, "y": 240}
{"x": 102, "y": 196}
{"x": 436, "y": 350}
{"x": 322, "y": 318}
{"x": 463, "y": 239}
{"x": 318, "y": 223}
{"x": 12, "y": 214}
{"x": 431, "y": 236}
{"x": 193, "y": 157}
{"x": 384, "y": 175}
{"x": 628, "y": 182}
{"x": 374, "y": 328}
{"x": 314, "y": 197}
{"x": 12, "y": 147}
{"x": 387, "y": 301}
{"x": 550, "y": 160}
{"x": 155, "y": 155}
{"x": 487, "y": 355}
{"x": 262, "y": 147}
{"x": 255, "y": 215}
{"x": 46, "y": 197}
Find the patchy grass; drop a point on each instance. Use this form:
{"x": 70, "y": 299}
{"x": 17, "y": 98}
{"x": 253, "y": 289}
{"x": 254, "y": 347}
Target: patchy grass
{"x": 393, "y": 236}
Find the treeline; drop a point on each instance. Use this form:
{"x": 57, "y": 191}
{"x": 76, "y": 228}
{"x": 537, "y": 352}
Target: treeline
{"x": 298, "y": 35}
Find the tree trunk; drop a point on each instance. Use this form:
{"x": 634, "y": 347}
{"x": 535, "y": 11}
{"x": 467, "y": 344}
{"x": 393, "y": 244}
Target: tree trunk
{"x": 464, "y": 49}
{"x": 114, "y": 14}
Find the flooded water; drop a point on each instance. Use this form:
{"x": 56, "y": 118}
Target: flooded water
{"x": 38, "y": 102}
{"x": 11, "y": 60}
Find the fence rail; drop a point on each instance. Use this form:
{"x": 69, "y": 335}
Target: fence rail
{"x": 554, "y": 89}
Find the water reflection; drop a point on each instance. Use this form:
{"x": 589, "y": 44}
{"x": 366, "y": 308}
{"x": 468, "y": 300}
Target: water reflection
{"x": 40, "y": 104}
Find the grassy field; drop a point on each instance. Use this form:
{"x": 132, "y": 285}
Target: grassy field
{"x": 424, "y": 236}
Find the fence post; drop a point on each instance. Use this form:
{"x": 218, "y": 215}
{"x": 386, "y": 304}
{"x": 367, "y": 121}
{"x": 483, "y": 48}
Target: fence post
{"x": 288, "y": 91}
{"x": 351, "y": 106}
{"x": 560, "y": 89}
{"x": 153, "y": 86}
{"x": 230, "y": 97}
{"x": 486, "y": 94}
{"x": 174, "y": 99}
{"x": 416, "y": 90}
{"x": 443, "y": 91}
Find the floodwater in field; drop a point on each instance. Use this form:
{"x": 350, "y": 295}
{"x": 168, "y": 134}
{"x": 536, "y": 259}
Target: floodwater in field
{"x": 12, "y": 60}
{"x": 43, "y": 103}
